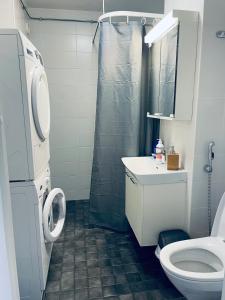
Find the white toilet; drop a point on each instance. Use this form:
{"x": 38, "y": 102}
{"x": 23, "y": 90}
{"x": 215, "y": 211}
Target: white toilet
{"x": 196, "y": 266}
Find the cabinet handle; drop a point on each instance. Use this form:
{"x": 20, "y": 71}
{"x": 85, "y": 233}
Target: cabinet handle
{"x": 132, "y": 180}
{"x": 127, "y": 174}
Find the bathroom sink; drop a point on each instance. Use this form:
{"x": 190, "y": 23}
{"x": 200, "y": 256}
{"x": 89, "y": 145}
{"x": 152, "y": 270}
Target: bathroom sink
{"x": 147, "y": 170}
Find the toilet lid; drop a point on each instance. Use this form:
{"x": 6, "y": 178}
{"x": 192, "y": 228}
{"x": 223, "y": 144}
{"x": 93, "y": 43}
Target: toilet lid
{"x": 212, "y": 245}
{"x": 218, "y": 228}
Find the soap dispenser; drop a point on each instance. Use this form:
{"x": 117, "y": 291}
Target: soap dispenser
{"x": 172, "y": 160}
{"x": 159, "y": 151}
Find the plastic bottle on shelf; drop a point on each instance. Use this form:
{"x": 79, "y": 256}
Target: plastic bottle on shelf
{"x": 160, "y": 157}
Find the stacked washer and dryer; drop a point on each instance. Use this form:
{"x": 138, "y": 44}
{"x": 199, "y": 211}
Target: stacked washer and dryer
{"x": 38, "y": 211}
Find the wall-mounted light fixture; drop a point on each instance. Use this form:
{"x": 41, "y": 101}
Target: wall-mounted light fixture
{"x": 161, "y": 29}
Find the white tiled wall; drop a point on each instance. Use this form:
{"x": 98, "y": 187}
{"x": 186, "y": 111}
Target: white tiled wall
{"x": 181, "y": 134}
{"x": 208, "y": 123}
{"x": 71, "y": 62}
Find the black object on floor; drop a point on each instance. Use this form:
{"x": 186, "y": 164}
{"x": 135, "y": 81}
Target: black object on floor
{"x": 171, "y": 236}
{"x": 93, "y": 263}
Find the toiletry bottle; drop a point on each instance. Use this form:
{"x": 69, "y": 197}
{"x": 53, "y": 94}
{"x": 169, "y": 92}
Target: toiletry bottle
{"x": 172, "y": 159}
{"x": 159, "y": 151}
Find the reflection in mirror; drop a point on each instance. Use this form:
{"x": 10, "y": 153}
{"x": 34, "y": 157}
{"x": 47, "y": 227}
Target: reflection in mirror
{"x": 162, "y": 74}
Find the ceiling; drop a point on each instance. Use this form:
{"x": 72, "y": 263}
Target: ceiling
{"x": 155, "y": 6}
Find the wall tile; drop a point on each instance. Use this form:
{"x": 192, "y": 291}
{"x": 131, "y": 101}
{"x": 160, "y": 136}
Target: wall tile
{"x": 87, "y": 61}
{"x": 85, "y": 168}
{"x": 84, "y": 43}
{"x": 63, "y": 76}
{"x": 87, "y": 110}
{"x": 200, "y": 193}
{"x": 212, "y": 63}
{"x": 210, "y": 124}
{"x": 35, "y": 28}
{"x": 64, "y": 154}
{"x": 59, "y": 59}
{"x": 218, "y": 189}
{"x": 64, "y": 108}
{"x": 85, "y": 139}
{"x": 84, "y": 181}
{"x": 64, "y": 168}
{"x": 66, "y": 182}
{"x": 54, "y": 27}
{"x": 85, "y": 29}
{"x": 85, "y": 154}
{"x": 199, "y": 222}
{"x": 71, "y": 65}
{"x": 191, "y": 138}
{"x": 63, "y": 92}
{"x": 59, "y": 42}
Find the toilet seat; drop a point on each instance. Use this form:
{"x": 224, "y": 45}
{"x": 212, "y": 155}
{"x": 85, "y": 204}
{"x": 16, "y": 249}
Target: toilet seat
{"x": 183, "y": 259}
{"x": 196, "y": 267}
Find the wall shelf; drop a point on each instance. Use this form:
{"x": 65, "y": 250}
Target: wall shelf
{"x": 159, "y": 117}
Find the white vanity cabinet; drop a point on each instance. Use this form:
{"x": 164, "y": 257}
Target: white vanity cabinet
{"x": 158, "y": 204}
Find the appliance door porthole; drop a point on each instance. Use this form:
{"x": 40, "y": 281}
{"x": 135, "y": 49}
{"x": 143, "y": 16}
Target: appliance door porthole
{"x": 54, "y": 213}
{"x": 40, "y": 103}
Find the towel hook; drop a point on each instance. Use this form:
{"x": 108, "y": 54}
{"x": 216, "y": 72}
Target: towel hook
{"x": 220, "y": 34}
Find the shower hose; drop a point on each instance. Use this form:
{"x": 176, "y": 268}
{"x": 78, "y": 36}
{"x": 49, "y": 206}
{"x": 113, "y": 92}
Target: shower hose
{"x": 209, "y": 202}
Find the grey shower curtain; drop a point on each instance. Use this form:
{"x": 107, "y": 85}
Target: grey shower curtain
{"x": 120, "y": 128}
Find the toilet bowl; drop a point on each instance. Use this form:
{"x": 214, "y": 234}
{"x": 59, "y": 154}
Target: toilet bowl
{"x": 196, "y": 266}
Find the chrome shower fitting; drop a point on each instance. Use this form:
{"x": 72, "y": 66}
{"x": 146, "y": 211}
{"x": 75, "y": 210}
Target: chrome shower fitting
{"x": 208, "y": 168}
{"x": 220, "y": 34}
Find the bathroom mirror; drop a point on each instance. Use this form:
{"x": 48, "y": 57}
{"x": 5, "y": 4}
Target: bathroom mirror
{"x": 162, "y": 74}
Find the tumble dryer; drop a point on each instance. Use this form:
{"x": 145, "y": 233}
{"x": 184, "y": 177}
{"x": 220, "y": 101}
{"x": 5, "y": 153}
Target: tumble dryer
{"x": 38, "y": 219}
{"x": 38, "y": 211}
{"x": 25, "y": 101}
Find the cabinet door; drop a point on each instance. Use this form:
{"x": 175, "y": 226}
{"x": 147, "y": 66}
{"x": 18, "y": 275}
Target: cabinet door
{"x": 134, "y": 203}
{"x": 165, "y": 208}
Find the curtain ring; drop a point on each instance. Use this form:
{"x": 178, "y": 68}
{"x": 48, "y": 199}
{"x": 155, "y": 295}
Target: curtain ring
{"x": 143, "y": 20}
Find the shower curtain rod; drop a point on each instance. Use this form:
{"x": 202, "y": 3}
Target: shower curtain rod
{"x": 53, "y": 19}
{"x": 126, "y": 14}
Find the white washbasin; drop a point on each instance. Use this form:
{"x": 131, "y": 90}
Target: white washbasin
{"x": 147, "y": 170}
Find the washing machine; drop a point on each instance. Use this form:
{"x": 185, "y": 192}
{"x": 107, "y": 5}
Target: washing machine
{"x": 38, "y": 219}
{"x": 25, "y": 101}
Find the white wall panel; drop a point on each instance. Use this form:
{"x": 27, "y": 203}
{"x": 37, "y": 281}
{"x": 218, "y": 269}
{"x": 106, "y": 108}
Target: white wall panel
{"x": 191, "y": 138}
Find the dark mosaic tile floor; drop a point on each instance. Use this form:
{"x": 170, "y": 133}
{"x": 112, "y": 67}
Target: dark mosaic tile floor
{"x": 94, "y": 263}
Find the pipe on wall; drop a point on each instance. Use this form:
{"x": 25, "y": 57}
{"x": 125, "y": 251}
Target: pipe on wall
{"x": 53, "y": 19}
